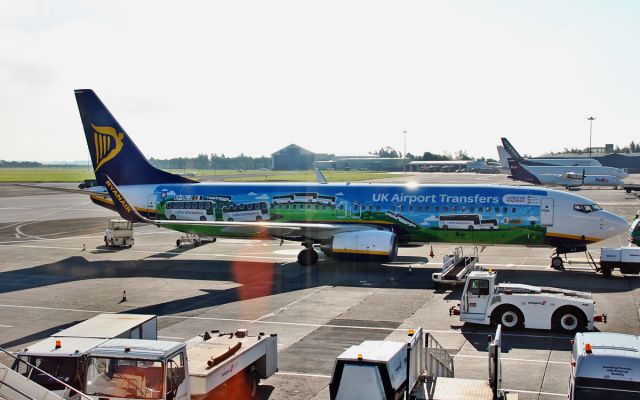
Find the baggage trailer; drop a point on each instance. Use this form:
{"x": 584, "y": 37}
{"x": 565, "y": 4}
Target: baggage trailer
{"x": 216, "y": 365}
{"x": 626, "y": 259}
{"x": 516, "y": 305}
{"x": 119, "y": 233}
{"x": 605, "y": 366}
{"x": 377, "y": 370}
{"x": 456, "y": 266}
{"x": 63, "y": 354}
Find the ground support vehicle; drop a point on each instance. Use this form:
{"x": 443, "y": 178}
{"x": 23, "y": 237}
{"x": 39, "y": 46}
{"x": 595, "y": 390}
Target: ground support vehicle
{"x": 516, "y": 305}
{"x": 456, "y": 266}
{"x": 627, "y": 259}
{"x": 119, "y": 233}
{"x": 63, "y": 355}
{"x": 194, "y": 239}
{"x": 409, "y": 370}
{"x": 214, "y": 365}
{"x": 605, "y": 366}
{"x": 631, "y": 188}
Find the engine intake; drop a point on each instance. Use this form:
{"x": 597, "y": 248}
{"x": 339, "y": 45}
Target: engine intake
{"x": 366, "y": 245}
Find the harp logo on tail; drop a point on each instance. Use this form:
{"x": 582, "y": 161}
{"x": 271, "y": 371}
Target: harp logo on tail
{"x": 107, "y": 143}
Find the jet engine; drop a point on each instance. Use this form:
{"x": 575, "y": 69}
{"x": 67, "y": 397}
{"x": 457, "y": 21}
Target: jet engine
{"x": 366, "y": 245}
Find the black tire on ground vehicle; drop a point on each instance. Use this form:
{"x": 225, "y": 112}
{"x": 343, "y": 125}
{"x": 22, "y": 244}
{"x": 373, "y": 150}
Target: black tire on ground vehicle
{"x": 307, "y": 257}
{"x": 173, "y": 217}
{"x": 258, "y": 218}
{"x": 606, "y": 272}
{"x": 510, "y": 317}
{"x": 568, "y": 319}
{"x": 445, "y": 226}
{"x": 470, "y": 227}
{"x": 178, "y": 243}
{"x": 628, "y": 190}
{"x": 230, "y": 219}
{"x": 203, "y": 218}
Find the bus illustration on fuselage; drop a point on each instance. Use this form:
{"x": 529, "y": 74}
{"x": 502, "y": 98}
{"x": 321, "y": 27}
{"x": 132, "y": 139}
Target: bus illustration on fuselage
{"x": 258, "y": 211}
{"x": 190, "y": 210}
{"x": 305, "y": 198}
{"x": 466, "y": 221}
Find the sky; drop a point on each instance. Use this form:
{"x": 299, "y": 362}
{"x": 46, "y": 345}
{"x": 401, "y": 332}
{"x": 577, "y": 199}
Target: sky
{"x": 342, "y": 77}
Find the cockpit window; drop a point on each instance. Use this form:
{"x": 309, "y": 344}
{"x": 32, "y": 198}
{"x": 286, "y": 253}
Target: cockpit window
{"x": 586, "y": 208}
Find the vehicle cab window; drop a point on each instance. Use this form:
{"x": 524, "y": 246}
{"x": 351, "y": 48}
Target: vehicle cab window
{"x": 478, "y": 287}
{"x": 586, "y": 208}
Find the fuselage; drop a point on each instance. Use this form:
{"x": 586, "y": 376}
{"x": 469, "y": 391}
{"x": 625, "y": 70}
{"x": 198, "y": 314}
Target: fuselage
{"x": 481, "y": 214}
{"x": 560, "y": 170}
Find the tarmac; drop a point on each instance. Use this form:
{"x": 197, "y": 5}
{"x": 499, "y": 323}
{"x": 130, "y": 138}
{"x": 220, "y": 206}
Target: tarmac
{"x": 55, "y": 271}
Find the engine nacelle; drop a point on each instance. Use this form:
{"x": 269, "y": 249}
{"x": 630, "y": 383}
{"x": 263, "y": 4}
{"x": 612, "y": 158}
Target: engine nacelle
{"x": 368, "y": 245}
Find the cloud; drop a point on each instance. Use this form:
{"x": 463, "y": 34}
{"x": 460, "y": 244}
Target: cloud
{"x": 262, "y": 197}
{"x": 340, "y": 194}
{"x": 251, "y": 194}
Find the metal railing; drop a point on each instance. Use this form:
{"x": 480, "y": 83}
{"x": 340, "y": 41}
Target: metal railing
{"x": 68, "y": 389}
{"x": 438, "y": 362}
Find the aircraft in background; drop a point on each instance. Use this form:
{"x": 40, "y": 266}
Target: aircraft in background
{"x": 569, "y": 177}
{"x": 345, "y": 220}
{"x": 508, "y": 151}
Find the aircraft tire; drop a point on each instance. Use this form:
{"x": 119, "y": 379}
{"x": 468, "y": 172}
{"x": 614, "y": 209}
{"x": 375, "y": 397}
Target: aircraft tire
{"x": 307, "y": 257}
{"x": 606, "y": 272}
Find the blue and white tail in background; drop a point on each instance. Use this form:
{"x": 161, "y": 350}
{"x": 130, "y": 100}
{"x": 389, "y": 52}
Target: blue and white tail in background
{"x": 113, "y": 153}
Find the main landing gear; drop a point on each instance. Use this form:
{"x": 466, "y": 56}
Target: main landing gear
{"x": 308, "y": 256}
{"x": 556, "y": 260}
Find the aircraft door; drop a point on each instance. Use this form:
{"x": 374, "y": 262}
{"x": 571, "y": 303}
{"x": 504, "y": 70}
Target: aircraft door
{"x": 546, "y": 212}
{"x": 151, "y": 206}
{"x": 475, "y": 299}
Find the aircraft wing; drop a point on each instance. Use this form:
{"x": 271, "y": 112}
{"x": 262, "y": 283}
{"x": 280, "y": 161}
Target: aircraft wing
{"x": 67, "y": 190}
{"x": 318, "y": 231}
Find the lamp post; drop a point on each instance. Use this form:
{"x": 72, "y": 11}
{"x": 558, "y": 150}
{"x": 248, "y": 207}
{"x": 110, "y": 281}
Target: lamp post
{"x": 590, "y": 132}
{"x": 404, "y": 154}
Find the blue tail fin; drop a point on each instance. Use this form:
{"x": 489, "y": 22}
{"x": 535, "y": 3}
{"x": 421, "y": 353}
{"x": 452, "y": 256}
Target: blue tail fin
{"x": 513, "y": 153}
{"x": 112, "y": 151}
{"x": 520, "y": 173}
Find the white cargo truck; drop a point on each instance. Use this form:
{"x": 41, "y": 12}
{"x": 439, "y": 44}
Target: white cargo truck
{"x": 605, "y": 366}
{"x": 627, "y": 259}
{"x": 119, "y": 233}
{"x": 523, "y": 306}
{"x": 389, "y": 370}
{"x": 63, "y": 355}
{"x": 224, "y": 366}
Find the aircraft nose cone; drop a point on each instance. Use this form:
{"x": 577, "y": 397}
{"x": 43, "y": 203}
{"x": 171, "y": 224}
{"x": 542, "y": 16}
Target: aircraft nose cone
{"x": 614, "y": 224}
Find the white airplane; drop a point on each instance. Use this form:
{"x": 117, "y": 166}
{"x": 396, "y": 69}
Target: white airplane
{"x": 567, "y": 176}
{"x": 507, "y": 151}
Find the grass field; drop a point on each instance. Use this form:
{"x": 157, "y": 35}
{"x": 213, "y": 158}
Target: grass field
{"x": 79, "y": 174}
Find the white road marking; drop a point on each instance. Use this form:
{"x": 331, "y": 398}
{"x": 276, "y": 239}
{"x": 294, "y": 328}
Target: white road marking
{"x": 302, "y": 374}
{"x": 6, "y": 326}
{"x": 534, "y": 392}
{"x": 502, "y": 358}
{"x": 311, "y": 325}
{"x": 170, "y": 337}
{"x": 40, "y": 217}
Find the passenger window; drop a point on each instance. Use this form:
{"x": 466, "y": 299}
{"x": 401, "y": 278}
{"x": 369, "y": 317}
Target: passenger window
{"x": 463, "y": 208}
{"x": 436, "y": 209}
{"x": 505, "y": 210}
{"x": 377, "y": 208}
{"x": 473, "y": 209}
{"x": 410, "y": 208}
{"x": 419, "y": 209}
{"x": 513, "y": 210}
{"x": 478, "y": 287}
{"x": 497, "y": 209}
{"x": 488, "y": 209}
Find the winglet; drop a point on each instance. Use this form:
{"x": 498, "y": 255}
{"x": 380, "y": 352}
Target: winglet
{"x": 126, "y": 210}
{"x": 320, "y": 176}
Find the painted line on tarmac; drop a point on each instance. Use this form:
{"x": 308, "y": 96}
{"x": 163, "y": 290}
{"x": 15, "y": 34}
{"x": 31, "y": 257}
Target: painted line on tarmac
{"x": 39, "y": 217}
{"x": 303, "y": 374}
{"x": 6, "y": 326}
{"x": 170, "y": 337}
{"x": 311, "y": 325}
{"x": 535, "y": 392}
{"x": 155, "y": 252}
{"x": 502, "y": 358}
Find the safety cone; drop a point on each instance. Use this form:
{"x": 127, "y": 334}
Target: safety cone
{"x": 431, "y": 252}
{"x": 124, "y": 296}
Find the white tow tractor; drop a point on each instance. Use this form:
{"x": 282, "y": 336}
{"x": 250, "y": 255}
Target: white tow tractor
{"x": 119, "y": 233}
{"x": 516, "y": 305}
{"x": 216, "y": 365}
